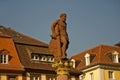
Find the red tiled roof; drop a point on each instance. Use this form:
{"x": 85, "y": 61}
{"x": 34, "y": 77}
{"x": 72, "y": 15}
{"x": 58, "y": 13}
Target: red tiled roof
{"x": 21, "y": 38}
{"x": 23, "y": 43}
{"x": 100, "y": 55}
{"x": 4, "y": 51}
{"x": 7, "y": 47}
{"x": 4, "y": 35}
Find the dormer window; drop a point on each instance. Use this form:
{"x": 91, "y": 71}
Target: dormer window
{"x": 87, "y": 58}
{"x": 44, "y": 58}
{"x": 3, "y": 59}
{"x": 4, "y": 56}
{"x": 50, "y": 59}
{"x": 115, "y": 58}
{"x": 73, "y": 63}
{"x": 35, "y": 57}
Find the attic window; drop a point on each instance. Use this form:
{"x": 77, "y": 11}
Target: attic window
{"x": 115, "y": 58}
{"x": 3, "y": 59}
{"x": 73, "y": 63}
{"x": 50, "y": 58}
{"x": 37, "y": 57}
{"x": 87, "y": 58}
{"x": 4, "y": 56}
{"x": 44, "y": 58}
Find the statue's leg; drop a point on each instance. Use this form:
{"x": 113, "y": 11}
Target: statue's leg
{"x": 64, "y": 46}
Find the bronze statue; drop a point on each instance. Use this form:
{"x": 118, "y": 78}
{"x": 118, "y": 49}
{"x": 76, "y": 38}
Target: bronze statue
{"x": 59, "y": 38}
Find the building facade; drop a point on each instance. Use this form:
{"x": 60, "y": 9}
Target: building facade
{"x": 10, "y": 65}
{"x": 25, "y": 58}
{"x": 99, "y": 63}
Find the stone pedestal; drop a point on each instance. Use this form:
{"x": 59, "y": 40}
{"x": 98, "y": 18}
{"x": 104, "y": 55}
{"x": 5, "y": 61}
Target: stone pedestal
{"x": 62, "y": 77}
{"x": 62, "y": 68}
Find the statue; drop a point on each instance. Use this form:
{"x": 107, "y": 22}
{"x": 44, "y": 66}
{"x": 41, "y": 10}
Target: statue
{"x": 59, "y": 38}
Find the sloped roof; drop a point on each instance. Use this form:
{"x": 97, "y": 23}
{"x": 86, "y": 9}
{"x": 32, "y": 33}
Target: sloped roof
{"x": 24, "y": 54}
{"x": 7, "y": 47}
{"x": 4, "y": 35}
{"x": 100, "y": 56}
{"x": 26, "y": 45}
{"x": 21, "y": 38}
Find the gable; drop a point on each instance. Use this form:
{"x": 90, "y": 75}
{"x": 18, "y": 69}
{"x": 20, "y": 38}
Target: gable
{"x": 7, "y": 48}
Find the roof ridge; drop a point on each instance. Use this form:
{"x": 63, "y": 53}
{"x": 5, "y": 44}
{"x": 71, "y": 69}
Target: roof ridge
{"x": 85, "y": 51}
{"x": 21, "y": 37}
{"x": 109, "y": 46}
{"x": 4, "y": 35}
{"x": 27, "y": 36}
{"x": 99, "y": 52}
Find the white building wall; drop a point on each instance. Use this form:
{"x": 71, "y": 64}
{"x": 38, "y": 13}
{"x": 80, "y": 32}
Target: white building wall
{"x": 100, "y": 74}
{"x": 96, "y": 73}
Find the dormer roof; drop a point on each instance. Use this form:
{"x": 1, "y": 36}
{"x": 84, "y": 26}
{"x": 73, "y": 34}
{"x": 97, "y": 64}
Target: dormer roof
{"x": 100, "y": 55}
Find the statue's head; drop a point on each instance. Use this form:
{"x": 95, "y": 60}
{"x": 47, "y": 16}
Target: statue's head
{"x": 63, "y": 17}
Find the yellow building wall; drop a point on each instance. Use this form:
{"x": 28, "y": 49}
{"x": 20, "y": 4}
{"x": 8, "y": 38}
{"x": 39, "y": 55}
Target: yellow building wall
{"x": 20, "y": 77}
{"x": 3, "y": 77}
{"x": 100, "y": 74}
{"x": 86, "y": 75}
{"x": 115, "y": 72}
{"x": 43, "y": 77}
{"x": 117, "y": 75}
{"x": 106, "y": 74}
{"x": 72, "y": 78}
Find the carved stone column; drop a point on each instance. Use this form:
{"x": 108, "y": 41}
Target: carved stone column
{"x": 62, "y": 68}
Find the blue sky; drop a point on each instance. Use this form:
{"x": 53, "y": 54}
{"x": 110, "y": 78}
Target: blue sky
{"x": 89, "y": 22}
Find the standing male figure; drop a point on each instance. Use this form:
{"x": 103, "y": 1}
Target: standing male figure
{"x": 59, "y": 37}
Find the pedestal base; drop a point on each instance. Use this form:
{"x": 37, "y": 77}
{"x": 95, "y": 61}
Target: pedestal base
{"x": 62, "y": 68}
{"x": 62, "y": 77}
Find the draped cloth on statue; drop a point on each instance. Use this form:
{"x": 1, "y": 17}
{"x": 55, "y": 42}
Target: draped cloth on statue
{"x": 55, "y": 47}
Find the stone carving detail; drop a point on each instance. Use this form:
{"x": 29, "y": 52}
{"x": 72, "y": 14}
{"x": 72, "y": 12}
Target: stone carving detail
{"x": 59, "y": 38}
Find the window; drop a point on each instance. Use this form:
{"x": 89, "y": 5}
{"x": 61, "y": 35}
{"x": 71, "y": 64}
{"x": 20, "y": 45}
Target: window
{"x": 35, "y": 78}
{"x": 44, "y": 58}
{"x": 91, "y": 76}
{"x": 12, "y": 77}
{"x": 50, "y": 59}
{"x": 111, "y": 75}
{"x": 3, "y": 59}
{"x": 115, "y": 57}
{"x": 4, "y": 56}
{"x": 35, "y": 57}
{"x": 87, "y": 58}
{"x": 73, "y": 63}
{"x": 50, "y": 77}
{"x": 81, "y": 77}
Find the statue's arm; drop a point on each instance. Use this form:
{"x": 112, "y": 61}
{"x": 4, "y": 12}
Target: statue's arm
{"x": 54, "y": 29}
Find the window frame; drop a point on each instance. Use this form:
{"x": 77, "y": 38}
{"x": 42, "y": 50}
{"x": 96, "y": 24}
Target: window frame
{"x": 3, "y": 58}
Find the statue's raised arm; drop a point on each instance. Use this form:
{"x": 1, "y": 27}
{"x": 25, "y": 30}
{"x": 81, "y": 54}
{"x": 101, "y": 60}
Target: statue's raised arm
{"x": 59, "y": 38}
